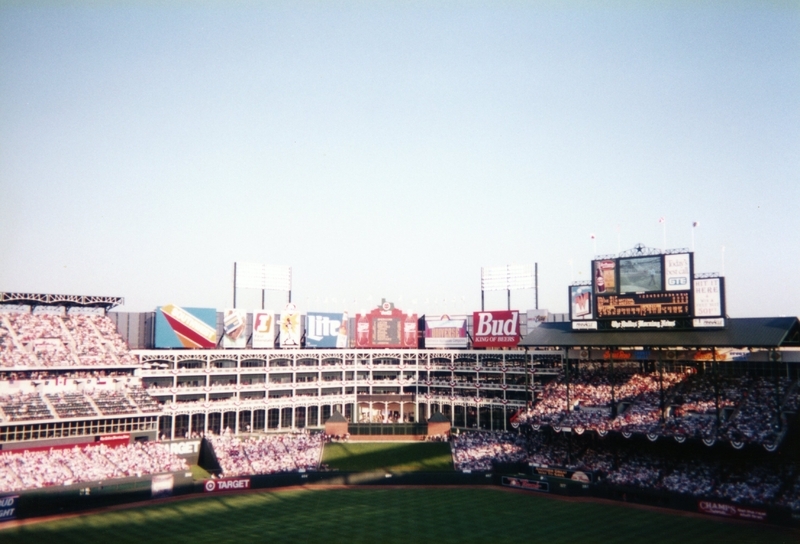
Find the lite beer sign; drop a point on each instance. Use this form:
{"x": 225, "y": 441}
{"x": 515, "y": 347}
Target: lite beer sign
{"x": 8, "y": 507}
{"x": 495, "y": 329}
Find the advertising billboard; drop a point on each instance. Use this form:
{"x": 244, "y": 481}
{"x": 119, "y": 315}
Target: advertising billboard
{"x": 291, "y": 327}
{"x": 8, "y": 507}
{"x": 708, "y": 297}
{"x": 386, "y": 327}
{"x": 234, "y": 328}
{"x": 326, "y": 330}
{"x": 580, "y": 302}
{"x": 640, "y": 274}
{"x": 534, "y": 318}
{"x": 605, "y": 276}
{"x": 495, "y": 329}
{"x": 263, "y": 329}
{"x": 178, "y": 327}
{"x": 446, "y": 331}
{"x": 677, "y": 272}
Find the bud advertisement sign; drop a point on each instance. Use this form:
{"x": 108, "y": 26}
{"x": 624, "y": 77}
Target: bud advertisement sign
{"x": 178, "y": 327}
{"x": 495, "y": 329}
{"x": 291, "y": 327}
{"x": 386, "y": 327}
{"x": 234, "y": 325}
{"x": 446, "y": 332}
{"x": 326, "y": 330}
{"x": 8, "y": 507}
{"x": 263, "y": 330}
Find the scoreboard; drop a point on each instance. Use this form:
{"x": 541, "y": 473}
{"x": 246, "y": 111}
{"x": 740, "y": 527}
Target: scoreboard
{"x": 644, "y": 285}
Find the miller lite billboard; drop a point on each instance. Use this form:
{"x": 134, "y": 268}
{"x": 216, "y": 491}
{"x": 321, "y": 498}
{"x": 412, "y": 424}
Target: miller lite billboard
{"x": 326, "y": 330}
{"x": 495, "y": 329}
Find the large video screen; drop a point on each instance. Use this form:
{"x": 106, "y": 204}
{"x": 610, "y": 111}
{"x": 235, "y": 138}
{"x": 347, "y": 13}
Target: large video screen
{"x": 640, "y": 275}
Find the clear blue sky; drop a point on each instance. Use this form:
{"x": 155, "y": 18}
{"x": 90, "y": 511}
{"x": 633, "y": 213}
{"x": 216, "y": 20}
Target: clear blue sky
{"x": 391, "y": 149}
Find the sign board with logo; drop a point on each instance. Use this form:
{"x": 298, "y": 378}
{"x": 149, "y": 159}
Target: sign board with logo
{"x": 495, "y": 329}
{"x": 161, "y": 485}
{"x": 263, "y": 330}
{"x": 446, "y": 331}
{"x": 234, "y": 328}
{"x": 291, "y": 327}
{"x": 580, "y": 302}
{"x": 525, "y": 483}
{"x": 191, "y": 328}
{"x": 226, "y": 484}
{"x": 386, "y": 327}
{"x": 8, "y": 507}
{"x": 327, "y": 330}
{"x": 708, "y": 297}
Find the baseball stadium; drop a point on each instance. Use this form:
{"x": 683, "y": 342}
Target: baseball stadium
{"x": 645, "y": 412}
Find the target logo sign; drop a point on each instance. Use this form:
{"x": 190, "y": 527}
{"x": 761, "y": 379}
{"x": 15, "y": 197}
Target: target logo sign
{"x": 226, "y": 484}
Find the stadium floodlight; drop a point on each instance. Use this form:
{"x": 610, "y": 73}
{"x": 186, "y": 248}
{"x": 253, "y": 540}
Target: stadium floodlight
{"x": 508, "y": 278}
{"x": 261, "y": 276}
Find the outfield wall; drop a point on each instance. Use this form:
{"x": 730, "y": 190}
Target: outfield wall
{"x": 94, "y": 495}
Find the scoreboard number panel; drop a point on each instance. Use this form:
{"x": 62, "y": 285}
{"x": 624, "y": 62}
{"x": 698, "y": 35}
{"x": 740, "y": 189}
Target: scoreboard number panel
{"x": 386, "y": 331}
{"x": 648, "y": 286}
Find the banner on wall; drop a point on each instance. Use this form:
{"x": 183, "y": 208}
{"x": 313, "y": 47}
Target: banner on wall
{"x": 326, "y": 330}
{"x": 178, "y": 327}
{"x": 708, "y": 297}
{"x": 263, "y": 329}
{"x": 446, "y": 331}
{"x": 234, "y": 327}
{"x": 495, "y": 329}
{"x": 386, "y": 327}
{"x": 8, "y": 507}
{"x": 580, "y": 302}
{"x": 291, "y": 327}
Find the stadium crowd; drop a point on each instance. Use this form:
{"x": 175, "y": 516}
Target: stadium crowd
{"x": 266, "y": 454}
{"x": 752, "y": 481}
{"x": 50, "y": 340}
{"x": 37, "y": 469}
{"x": 673, "y": 404}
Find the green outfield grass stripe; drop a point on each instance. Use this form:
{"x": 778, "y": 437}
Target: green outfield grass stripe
{"x": 402, "y": 515}
{"x": 389, "y": 456}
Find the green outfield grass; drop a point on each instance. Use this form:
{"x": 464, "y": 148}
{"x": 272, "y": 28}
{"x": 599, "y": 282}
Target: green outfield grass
{"x": 402, "y": 515}
{"x": 388, "y": 456}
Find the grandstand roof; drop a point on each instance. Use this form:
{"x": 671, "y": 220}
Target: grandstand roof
{"x": 336, "y": 417}
{"x": 439, "y": 417}
{"x": 755, "y": 332}
{"x": 61, "y": 300}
